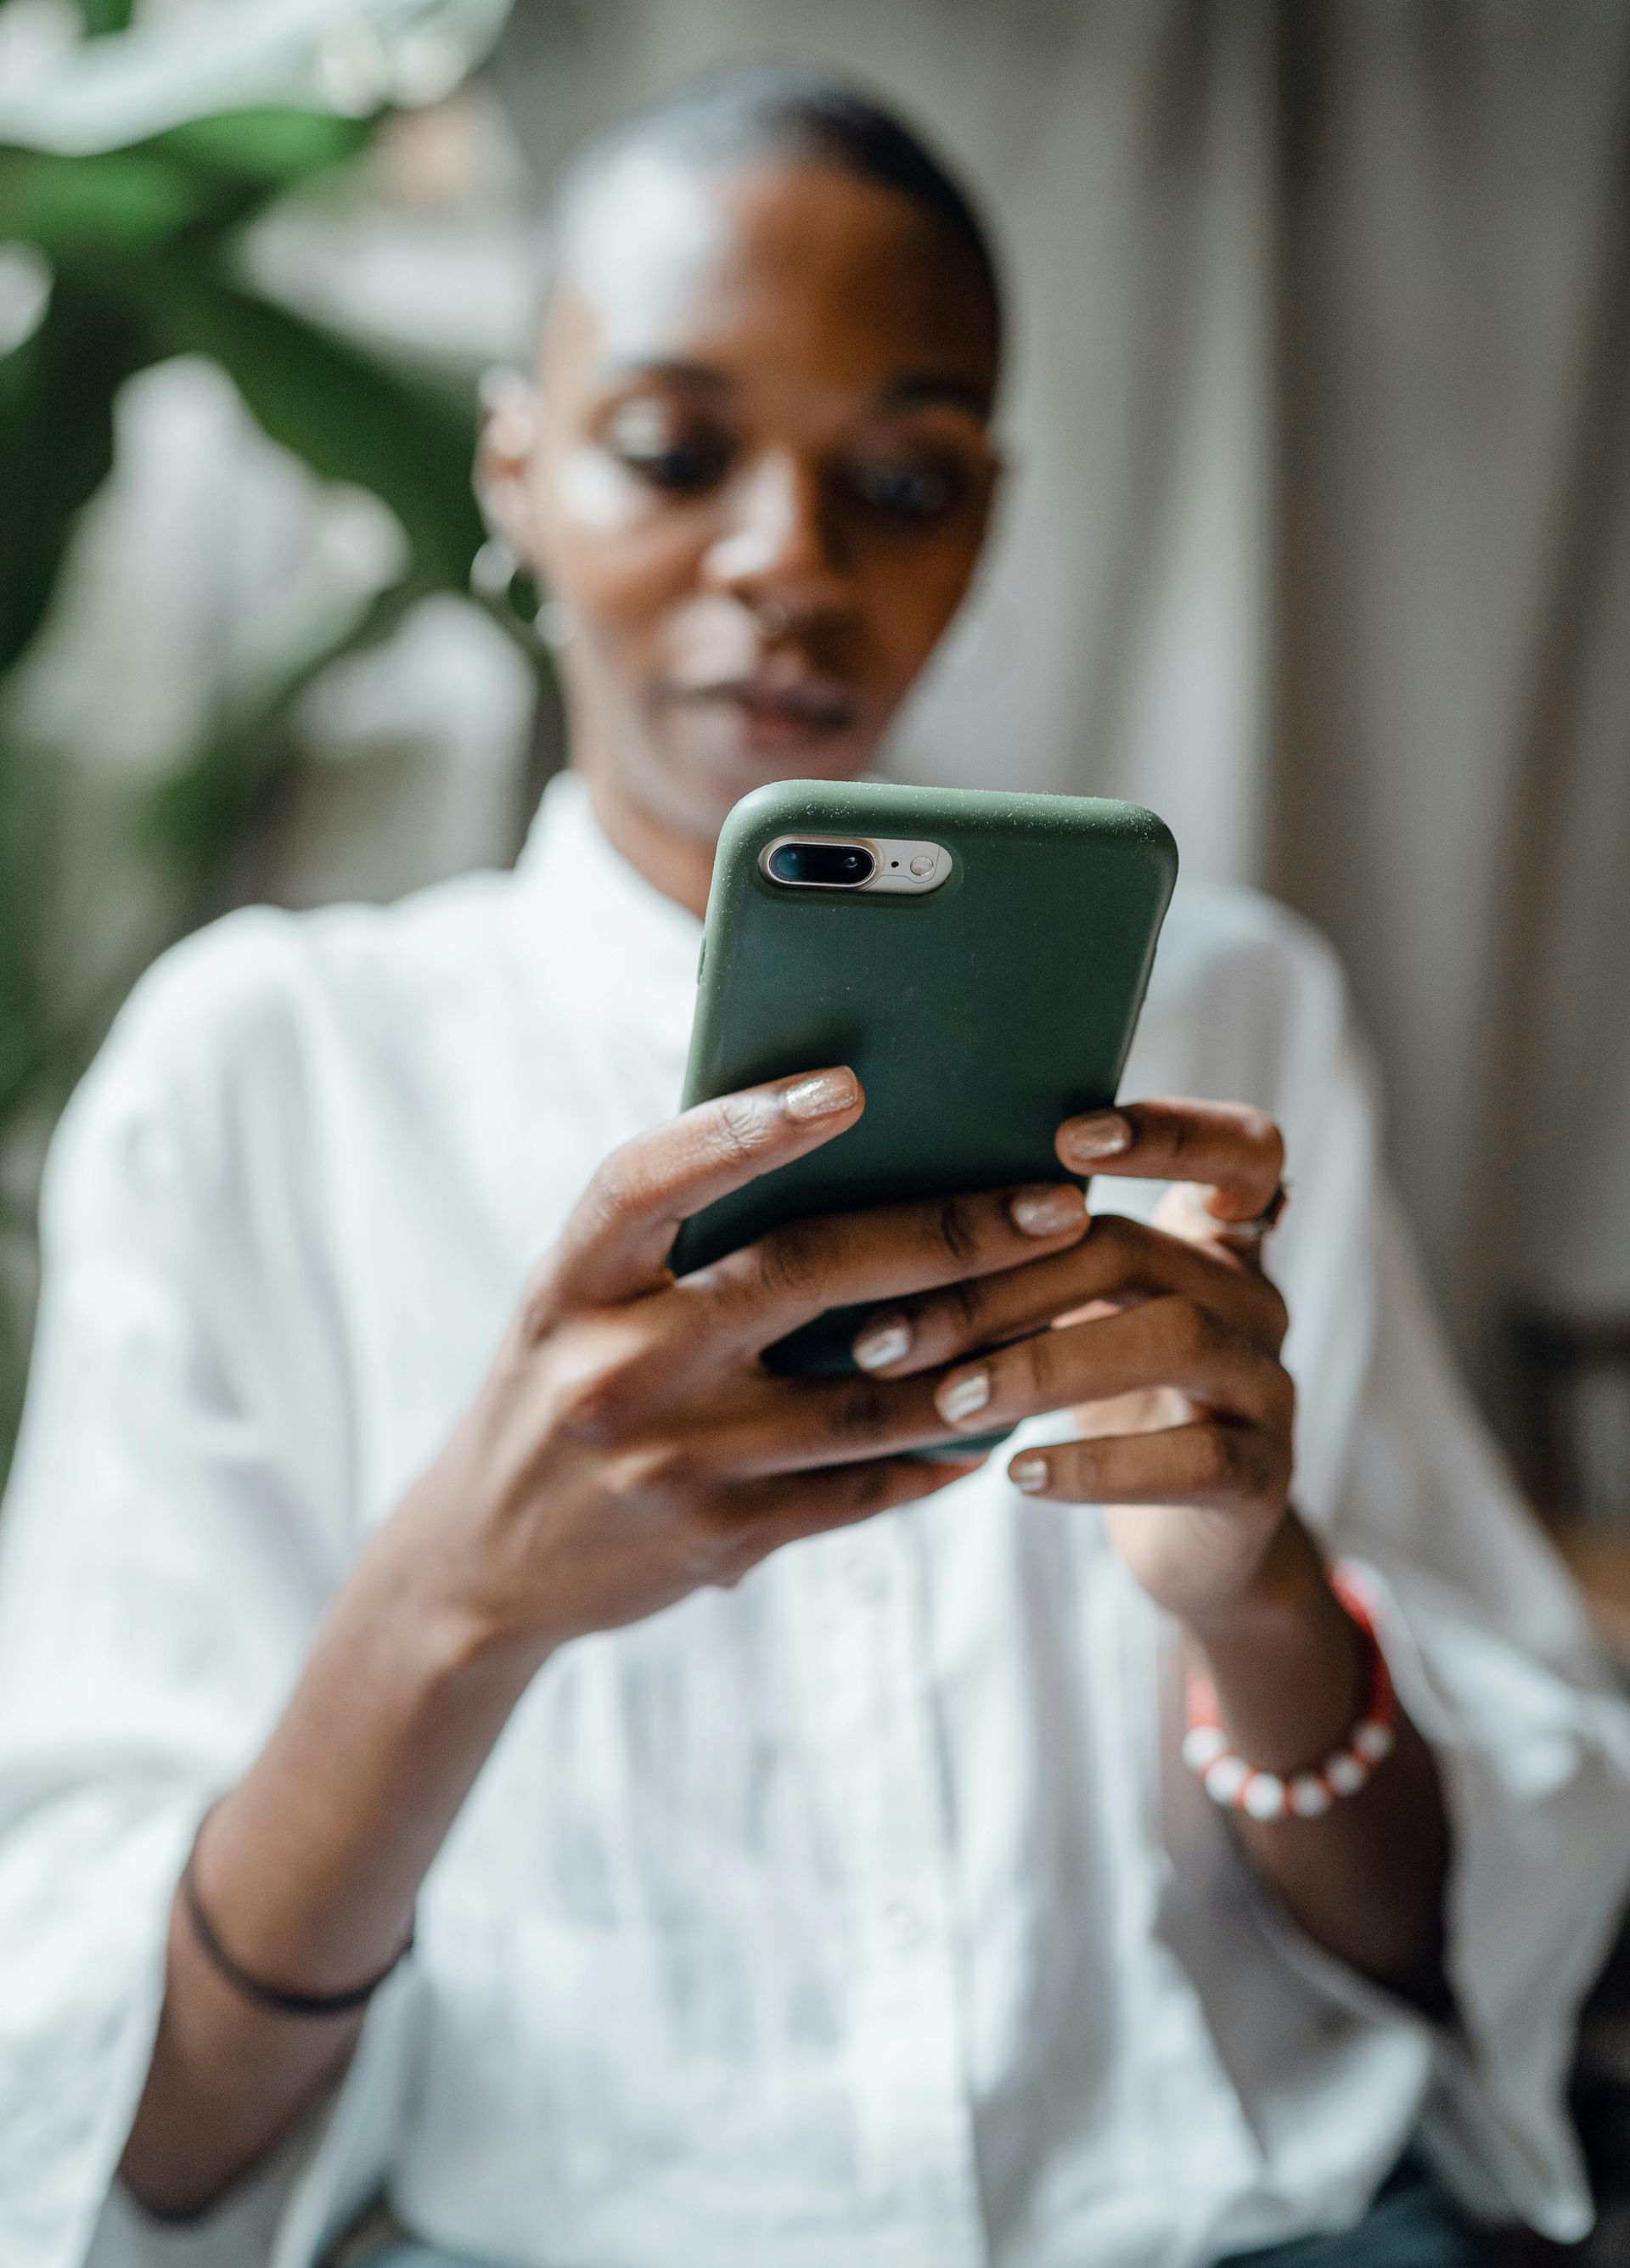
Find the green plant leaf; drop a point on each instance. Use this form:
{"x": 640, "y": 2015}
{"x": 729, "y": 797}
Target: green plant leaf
{"x": 274, "y": 148}
{"x": 212, "y": 173}
{"x": 193, "y": 818}
{"x": 132, "y": 199}
{"x": 56, "y": 441}
{"x": 104, "y": 16}
{"x": 131, "y": 171}
{"x": 349, "y": 416}
{"x": 30, "y": 844}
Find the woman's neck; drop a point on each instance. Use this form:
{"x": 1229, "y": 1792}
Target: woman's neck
{"x": 680, "y": 865}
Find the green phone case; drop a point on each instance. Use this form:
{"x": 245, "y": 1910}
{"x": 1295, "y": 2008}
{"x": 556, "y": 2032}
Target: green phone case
{"x": 976, "y": 1016}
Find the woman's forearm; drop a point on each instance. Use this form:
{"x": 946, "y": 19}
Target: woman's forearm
{"x": 611, "y": 1464}
{"x": 308, "y": 1870}
{"x": 1366, "y": 1880}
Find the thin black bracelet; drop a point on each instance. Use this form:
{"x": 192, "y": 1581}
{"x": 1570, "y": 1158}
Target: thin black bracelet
{"x": 272, "y": 1998}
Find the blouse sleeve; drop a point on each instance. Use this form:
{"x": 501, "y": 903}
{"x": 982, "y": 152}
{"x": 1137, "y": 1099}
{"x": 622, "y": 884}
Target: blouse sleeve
{"x": 1486, "y": 1637}
{"x": 163, "y": 1557}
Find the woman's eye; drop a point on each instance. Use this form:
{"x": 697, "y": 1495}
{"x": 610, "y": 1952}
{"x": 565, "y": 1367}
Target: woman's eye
{"x": 905, "y": 490}
{"x": 644, "y": 440}
{"x": 688, "y": 466}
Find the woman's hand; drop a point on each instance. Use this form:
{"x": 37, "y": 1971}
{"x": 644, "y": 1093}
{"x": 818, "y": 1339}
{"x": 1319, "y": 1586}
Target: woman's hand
{"x": 626, "y": 1448}
{"x": 1165, "y": 1341}
{"x": 629, "y": 1447}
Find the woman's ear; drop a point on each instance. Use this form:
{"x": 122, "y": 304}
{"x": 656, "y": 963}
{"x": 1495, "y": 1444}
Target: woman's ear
{"x": 504, "y": 449}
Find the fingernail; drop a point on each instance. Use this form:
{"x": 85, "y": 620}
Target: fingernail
{"x": 1029, "y": 1474}
{"x": 1101, "y": 1135}
{"x": 823, "y": 1096}
{"x": 882, "y": 1342}
{"x": 1048, "y": 1212}
{"x": 963, "y": 1396}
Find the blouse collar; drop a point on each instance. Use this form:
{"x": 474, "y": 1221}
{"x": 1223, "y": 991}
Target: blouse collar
{"x": 616, "y": 940}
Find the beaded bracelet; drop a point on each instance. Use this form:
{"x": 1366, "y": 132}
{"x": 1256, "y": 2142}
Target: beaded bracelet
{"x": 1227, "y": 1779}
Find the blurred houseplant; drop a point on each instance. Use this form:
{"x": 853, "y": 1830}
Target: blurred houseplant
{"x": 133, "y": 161}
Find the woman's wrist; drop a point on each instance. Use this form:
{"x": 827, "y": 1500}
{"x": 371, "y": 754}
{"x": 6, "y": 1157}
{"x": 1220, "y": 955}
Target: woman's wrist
{"x": 1288, "y": 1663}
{"x": 448, "y": 1621}
{"x": 394, "y": 1714}
{"x": 305, "y": 1874}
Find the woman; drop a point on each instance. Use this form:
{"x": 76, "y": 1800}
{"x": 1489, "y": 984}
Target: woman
{"x": 586, "y": 1791}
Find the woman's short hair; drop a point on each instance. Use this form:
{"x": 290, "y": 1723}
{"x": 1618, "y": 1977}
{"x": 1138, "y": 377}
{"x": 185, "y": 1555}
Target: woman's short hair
{"x": 787, "y": 112}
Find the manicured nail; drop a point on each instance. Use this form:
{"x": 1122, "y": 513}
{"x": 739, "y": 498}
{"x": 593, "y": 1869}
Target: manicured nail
{"x": 963, "y": 1396}
{"x": 1102, "y": 1135}
{"x": 1029, "y": 1474}
{"x": 882, "y": 1342}
{"x": 1048, "y": 1212}
{"x": 823, "y": 1096}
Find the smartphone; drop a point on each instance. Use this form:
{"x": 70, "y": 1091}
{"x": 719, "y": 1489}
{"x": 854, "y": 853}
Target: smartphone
{"x": 978, "y": 959}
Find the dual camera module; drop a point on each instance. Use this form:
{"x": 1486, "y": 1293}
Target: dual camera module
{"x": 823, "y": 863}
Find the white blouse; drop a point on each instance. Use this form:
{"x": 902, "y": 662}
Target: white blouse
{"x": 864, "y": 1913}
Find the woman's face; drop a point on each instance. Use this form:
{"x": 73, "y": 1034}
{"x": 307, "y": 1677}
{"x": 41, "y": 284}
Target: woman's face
{"x": 757, "y": 475}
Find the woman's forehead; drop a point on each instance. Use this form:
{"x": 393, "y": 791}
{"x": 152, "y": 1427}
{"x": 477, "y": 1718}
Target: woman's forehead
{"x": 799, "y": 270}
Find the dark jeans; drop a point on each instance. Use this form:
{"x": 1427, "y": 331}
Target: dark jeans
{"x": 1411, "y": 2225}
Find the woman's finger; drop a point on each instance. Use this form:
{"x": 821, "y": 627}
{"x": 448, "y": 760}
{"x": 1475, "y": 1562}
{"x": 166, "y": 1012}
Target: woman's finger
{"x": 775, "y": 1425}
{"x": 1122, "y": 1261}
{"x": 1237, "y": 1154}
{"x": 1214, "y": 1465}
{"x": 616, "y": 1242}
{"x": 771, "y": 1513}
{"x": 750, "y": 1298}
{"x": 1167, "y": 1342}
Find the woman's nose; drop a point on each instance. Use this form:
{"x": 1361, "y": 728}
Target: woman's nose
{"x": 779, "y": 543}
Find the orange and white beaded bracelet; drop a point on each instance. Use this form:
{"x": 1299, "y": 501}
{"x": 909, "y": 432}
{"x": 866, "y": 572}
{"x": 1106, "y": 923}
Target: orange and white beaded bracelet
{"x": 1227, "y": 1779}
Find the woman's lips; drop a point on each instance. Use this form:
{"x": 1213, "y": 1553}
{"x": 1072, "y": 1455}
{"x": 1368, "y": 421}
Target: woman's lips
{"x": 779, "y": 714}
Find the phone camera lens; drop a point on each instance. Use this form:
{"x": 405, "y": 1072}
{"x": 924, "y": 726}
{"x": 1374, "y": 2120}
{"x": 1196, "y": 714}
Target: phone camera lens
{"x": 836, "y": 866}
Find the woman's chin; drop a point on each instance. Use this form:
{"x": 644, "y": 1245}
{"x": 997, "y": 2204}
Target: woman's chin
{"x": 739, "y": 753}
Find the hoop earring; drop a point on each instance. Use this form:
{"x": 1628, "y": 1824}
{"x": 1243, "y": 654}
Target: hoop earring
{"x": 554, "y": 624}
{"x": 502, "y": 580}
